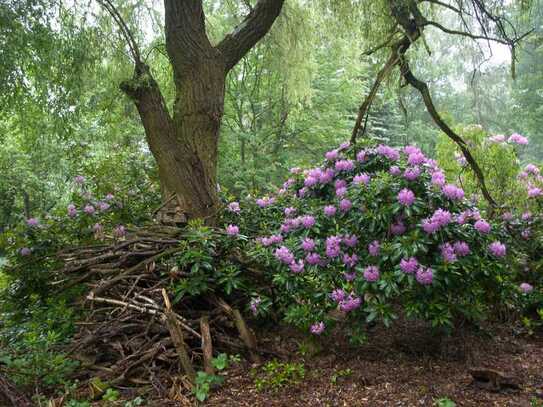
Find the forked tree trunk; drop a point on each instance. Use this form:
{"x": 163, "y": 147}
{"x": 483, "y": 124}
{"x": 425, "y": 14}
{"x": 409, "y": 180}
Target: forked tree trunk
{"x": 185, "y": 143}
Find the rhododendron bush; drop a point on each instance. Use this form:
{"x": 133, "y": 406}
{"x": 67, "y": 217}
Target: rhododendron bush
{"x": 374, "y": 232}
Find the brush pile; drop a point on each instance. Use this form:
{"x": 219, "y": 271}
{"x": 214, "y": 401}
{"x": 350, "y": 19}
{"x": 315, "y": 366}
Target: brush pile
{"x": 134, "y": 332}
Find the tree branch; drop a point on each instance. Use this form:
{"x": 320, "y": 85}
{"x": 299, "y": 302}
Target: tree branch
{"x": 186, "y": 38}
{"x": 427, "y": 98}
{"x": 258, "y": 22}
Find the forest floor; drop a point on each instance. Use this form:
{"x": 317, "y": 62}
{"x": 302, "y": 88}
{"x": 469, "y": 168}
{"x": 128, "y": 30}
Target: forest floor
{"x": 404, "y": 366}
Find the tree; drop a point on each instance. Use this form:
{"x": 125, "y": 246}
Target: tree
{"x": 185, "y": 142}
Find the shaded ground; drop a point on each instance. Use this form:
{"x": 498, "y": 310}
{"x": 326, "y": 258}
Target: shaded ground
{"x": 405, "y": 368}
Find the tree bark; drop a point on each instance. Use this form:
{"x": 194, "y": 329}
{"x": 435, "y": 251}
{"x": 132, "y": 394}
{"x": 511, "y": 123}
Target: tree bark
{"x": 185, "y": 143}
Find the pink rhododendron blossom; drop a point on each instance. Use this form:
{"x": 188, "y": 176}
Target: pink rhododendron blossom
{"x": 79, "y": 179}
{"x": 532, "y": 169}
{"x": 333, "y": 246}
{"x": 482, "y": 226}
{"x": 507, "y": 216}
{"x": 290, "y": 211}
{"x": 310, "y": 181}
{"x": 425, "y": 275}
{"x": 406, "y": 197}
{"x": 341, "y": 191}
{"x": 498, "y": 249}
{"x": 89, "y": 209}
{"x": 332, "y": 155}
{"x": 345, "y": 205}
{"x": 411, "y": 173}
{"x": 32, "y": 222}
{"x": 308, "y": 221}
{"x": 330, "y": 210}
{"x": 395, "y": 170}
{"x": 526, "y": 216}
{"x": 350, "y": 241}
{"x": 448, "y": 253}
{"x": 97, "y": 228}
{"x": 119, "y": 231}
{"x": 344, "y": 165}
{"x": 516, "y": 138}
{"x": 232, "y": 230}
{"x": 409, "y": 265}
{"x": 526, "y": 288}
{"x": 371, "y": 274}
{"x": 498, "y": 138}
{"x": 103, "y": 206}
{"x": 338, "y": 295}
{"x": 438, "y": 178}
{"x": 350, "y": 303}
{"x": 340, "y": 183}
{"x": 255, "y": 303}
{"x": 429, "y": 226}
{"x": 317, "y": 328}
{"x": 361, "y": 179}
{"x": 416, "y": 158}
{"x": 313, "y": 259}
{"x": 297, "y": 267}
{"x": 411, "y": 150}
{"x": 534, "y": 192}
{"x": 284, "y": 255}
{"x": 349, "y": 276}
{"x": 361, "y": 156}
{"x": 453, "y": 192}
{"x": 72, "y": 210}
{"x": 109, "y": 197}
{"x": 374, "y": 248}
{"x": 234, "y": 207}
{"x": 264, "y": 202}
{"x": 461, "y": 248}
{"x": 25, "y": 251}
{"x": 388, "y": 152}
{"x": 350, "y": 261}
{"x": 308, "y": 244}
{"x": 441, "y": 217}
{"x": 398, "y": 228}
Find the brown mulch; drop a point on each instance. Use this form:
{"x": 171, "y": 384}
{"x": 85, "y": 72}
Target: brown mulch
{"x": 405, "y": 366}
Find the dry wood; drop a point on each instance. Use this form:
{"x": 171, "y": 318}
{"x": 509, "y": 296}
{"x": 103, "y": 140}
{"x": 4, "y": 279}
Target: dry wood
{"x": 207, "y": 346}
{"x": 177, "y": 338}
{"x": 246, "y": 335}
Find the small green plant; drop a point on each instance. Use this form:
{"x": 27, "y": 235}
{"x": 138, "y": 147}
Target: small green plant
{"x": 205, "y": 382}
{"x": 445, "y": 402}
{"x": 275, "y": 374}
{"x": 138, "y": 401}
{"x": 76, "y": 403}
{"x": 340, "y": 374}
{"x": 111, "y": 395}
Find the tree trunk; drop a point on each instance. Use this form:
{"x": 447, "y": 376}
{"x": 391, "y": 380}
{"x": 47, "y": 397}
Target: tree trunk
{"x": 185, "y": 144}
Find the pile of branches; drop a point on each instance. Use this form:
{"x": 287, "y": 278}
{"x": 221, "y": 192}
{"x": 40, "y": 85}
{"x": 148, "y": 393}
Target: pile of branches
{"x": 132, "y": 333}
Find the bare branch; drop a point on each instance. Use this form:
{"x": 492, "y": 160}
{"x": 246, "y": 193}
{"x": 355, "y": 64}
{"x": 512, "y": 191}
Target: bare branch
{"x": 427, "y": 98}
